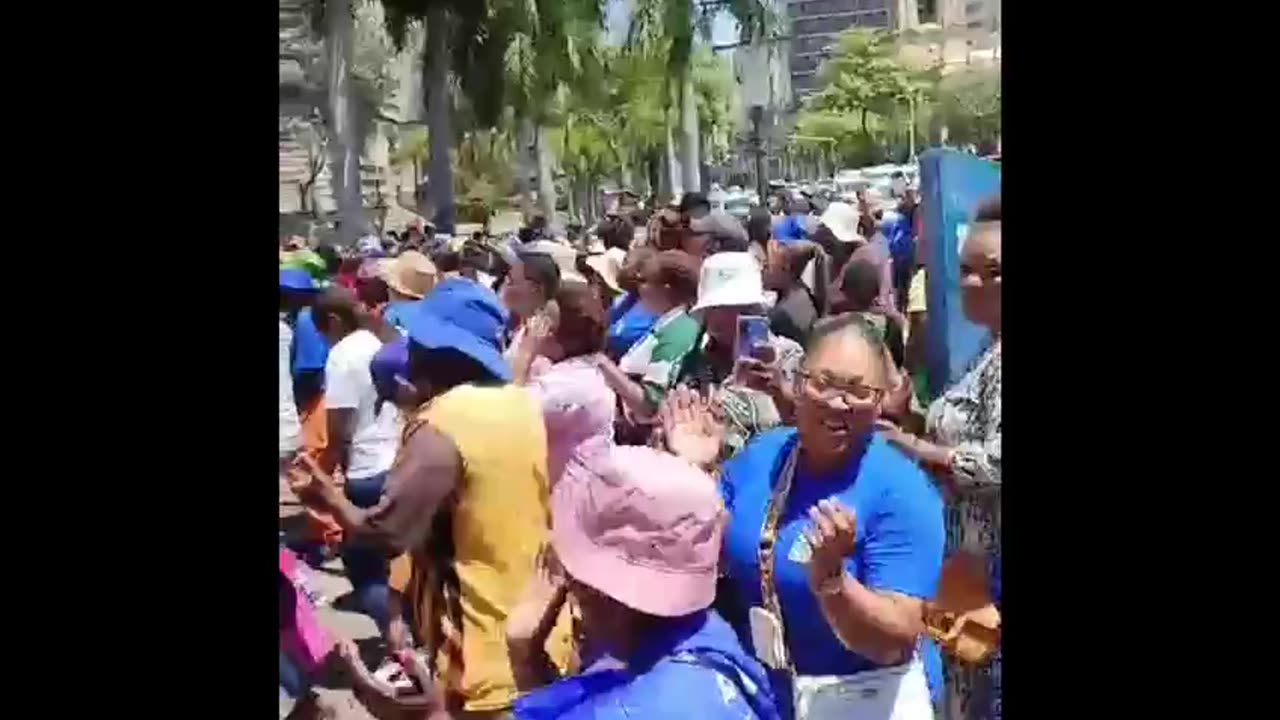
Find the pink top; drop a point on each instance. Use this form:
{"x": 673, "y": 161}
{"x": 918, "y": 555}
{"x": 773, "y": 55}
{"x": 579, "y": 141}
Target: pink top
{"x": 578, "y": 408}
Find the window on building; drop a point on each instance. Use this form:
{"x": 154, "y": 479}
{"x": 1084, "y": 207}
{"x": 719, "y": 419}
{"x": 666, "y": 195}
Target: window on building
{"x": 974, "y": 8}
{"x": 806, "y": 64}
{"x": 811, "y": 44}
{"x": 878, "y": 19}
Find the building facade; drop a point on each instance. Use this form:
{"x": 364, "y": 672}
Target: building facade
{"x": 815, "y": 24}
{"x": 971, "y": 14}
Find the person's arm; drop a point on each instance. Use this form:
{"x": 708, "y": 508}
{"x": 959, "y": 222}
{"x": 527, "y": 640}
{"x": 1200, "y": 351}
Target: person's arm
{"x": 428, "y": 470}
{"x": 630, "y": 392}
{"x": 340, "y": 425}
{"x": 531, "y": 620}
{"x": 972, "y": 464}
{"x": 977, "y": 463}
{"x": 880, "y": 619}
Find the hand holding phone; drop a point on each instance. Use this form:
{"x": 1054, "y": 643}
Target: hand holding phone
{"x": 753, "y": 335}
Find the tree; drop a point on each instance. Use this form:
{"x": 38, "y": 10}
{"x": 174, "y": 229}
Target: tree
{"x": 861, "y": 76}
{"x": 414, "y": 149}
{"x": 341, "y": 119}
{"x": 668, "y": 29}
{"x": 713, "y": 91}
{"x": 311, "y": 137}
{"x": 969, "y": 107}
{"x": 636, "y": 97}
{"x": 863, "y": 79}
{"x": 554, "y": 48}
{"x": 465, "y": 40}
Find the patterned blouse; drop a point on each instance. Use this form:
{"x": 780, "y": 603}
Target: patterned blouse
{"x": 966, "y": 418}
{"x": 747, "y": 412}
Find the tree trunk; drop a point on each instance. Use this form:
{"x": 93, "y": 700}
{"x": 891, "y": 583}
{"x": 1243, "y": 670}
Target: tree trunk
{"x": 524, "y": 168}
{"x": 345, "y": 145}
{"x": 864, "y": 123}
{"x": 690, "y": 157}
{"x": 546, "y": 180}
{"x": 674, "y": 186}
{"x": 436, "y": 69}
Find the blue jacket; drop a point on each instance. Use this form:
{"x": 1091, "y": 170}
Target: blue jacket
{"x": 695, "y": 669}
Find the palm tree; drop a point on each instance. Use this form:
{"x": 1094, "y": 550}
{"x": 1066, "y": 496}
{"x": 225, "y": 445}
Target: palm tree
{"x": 669, "y": 28}
{"x": 554, "y": 48}
{"x": 341, "y": 118}
{"x": 465, "y": 40}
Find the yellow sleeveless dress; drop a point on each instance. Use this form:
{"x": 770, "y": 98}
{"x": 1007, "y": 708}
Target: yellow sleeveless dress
{"x": 495, "y": 524}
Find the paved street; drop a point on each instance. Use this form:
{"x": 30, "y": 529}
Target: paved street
{"x": 333, "y": 687}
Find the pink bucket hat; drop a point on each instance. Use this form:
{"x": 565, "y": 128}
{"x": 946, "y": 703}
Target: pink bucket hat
{"x": 646, "y": 531}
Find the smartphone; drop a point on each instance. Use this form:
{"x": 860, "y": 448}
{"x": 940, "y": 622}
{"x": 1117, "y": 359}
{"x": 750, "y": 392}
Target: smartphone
{"x": 753, "y": 333}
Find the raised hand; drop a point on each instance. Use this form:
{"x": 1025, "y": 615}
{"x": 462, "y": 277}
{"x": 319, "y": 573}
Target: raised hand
{"x": 831, "y": 537}
{"x": 691, "y": 426}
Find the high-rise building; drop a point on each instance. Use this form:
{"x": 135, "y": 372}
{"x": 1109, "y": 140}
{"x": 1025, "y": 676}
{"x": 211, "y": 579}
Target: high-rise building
{"x": 815, "y": 24}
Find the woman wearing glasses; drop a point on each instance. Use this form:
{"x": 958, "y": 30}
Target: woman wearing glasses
{"x": 834, "y": 538}
{"x": 961, "y": 448}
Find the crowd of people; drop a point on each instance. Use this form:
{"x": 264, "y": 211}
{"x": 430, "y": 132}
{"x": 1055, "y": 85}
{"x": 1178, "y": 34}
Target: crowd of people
{"x": 678, "y": 465}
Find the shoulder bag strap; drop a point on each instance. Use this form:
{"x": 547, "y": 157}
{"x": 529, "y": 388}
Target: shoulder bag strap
{"x": 769, "y": 538}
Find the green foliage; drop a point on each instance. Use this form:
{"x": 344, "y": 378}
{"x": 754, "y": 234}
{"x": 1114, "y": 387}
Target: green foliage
{"x": 668, "y": 28}
{"x": 413, "y": 146}
{"x": 866, "y": 97}
{"x": 863, "y": 77}
{"x": 554, "y": 45}
{"x": 373, "y": 55}
{"x": 483, "y": 167}
{"x": 713, "y": 89}
{"x": 969, "y": 106}
{"x": 853, "y": 147}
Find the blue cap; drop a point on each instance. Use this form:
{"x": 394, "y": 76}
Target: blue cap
{"x": 296, "y": 279}
{"x": 390, "y": 362}
{"x": 462, "y": 315}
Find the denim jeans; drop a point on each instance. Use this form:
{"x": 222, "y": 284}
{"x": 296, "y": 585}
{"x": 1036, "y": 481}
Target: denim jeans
{"x": 368, "y": 568}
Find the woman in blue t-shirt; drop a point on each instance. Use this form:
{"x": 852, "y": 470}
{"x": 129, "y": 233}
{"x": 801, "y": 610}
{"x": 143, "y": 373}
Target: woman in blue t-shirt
{"x": 848, "y": 530}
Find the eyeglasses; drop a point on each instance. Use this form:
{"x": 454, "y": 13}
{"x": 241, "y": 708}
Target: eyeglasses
{"x": 828, "y": 387}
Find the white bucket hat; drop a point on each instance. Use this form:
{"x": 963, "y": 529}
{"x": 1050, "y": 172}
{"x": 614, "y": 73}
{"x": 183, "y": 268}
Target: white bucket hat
{"x": 729, "y": 279}
{"x": 564, "y": 255}
{"x": 842, "y": 219}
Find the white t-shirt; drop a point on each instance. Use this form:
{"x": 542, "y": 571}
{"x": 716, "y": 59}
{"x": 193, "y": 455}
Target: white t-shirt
{"x": 348, "y": 385}
{"x": 290, "y": 430}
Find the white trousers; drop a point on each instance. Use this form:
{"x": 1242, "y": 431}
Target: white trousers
{"x": 896, "y": 693}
